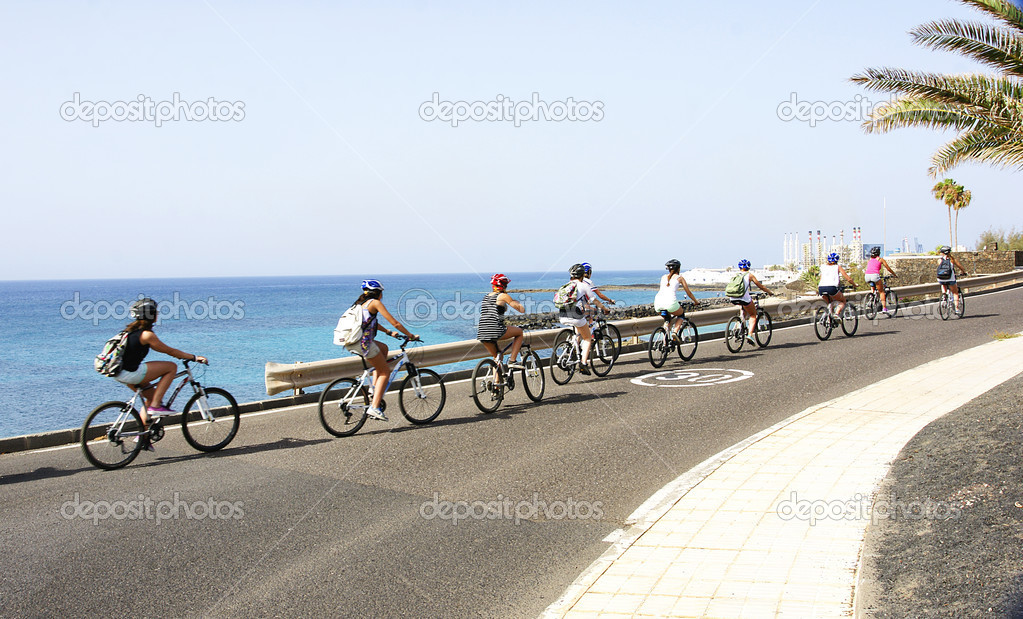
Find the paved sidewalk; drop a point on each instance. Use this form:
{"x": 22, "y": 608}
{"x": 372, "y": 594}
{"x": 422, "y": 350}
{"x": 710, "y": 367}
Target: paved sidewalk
{"x": 774, "y": 526}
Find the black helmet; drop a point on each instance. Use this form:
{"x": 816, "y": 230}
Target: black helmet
{"x": 144, "y": 309}
{"x": 673, "y": 265}
{"x": 945, "y": 249}
{"x": 577, "y": 270}
{"x": 875, "y": 252}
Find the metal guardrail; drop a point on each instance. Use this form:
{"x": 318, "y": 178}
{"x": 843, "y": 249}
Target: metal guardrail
{"x": 281, "y": 377}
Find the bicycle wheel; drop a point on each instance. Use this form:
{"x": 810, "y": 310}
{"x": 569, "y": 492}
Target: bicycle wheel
{"x": 764, "y": 328}
{"x": 892, "y": 299}
{"x": 616, "y": 335}
{"x": 960, "y": 306}
{"x": 603, "y": 353}
{"x": 850, "y": 319}
{"x": 822, "y": 323}
{"x": 422, "y": 395}
{"x": 343, "y": 407}
{"x": 734, "y": 334}
{"x": 487, "y": 390}
{"x": 109, "y": 435}
{"x": 222, "y": 425}
{"x": 870, "y": 306}
{"x": 563, "y": 359}
{"x": 657, "y": 347}
{"x": 688, "y": 340}
{"x": 943, "y": 307}
{"x": 532, "y": 376}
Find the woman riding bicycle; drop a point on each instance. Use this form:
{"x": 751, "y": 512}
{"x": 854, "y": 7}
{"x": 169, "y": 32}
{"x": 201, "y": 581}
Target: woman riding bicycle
{"x": 872, "y": 274}
{"x": 135, "y": 371}
{"x": 666, "y": 299}
{"x": 574, "y": 315}
{"x": 371, "y": 350}
{"x": 749, "y": 308}
{"x": 946, "y": 272}
{"x": 828, "y": 285}
{"x": 492, "y": 328}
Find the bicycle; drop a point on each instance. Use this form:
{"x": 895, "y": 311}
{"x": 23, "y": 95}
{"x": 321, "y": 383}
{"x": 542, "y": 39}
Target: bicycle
{"x": 872, "y": 302}
{"x": 948, "y": 305}
{"x": 678, "y": 333}
{"x": 492, "y": 379}
{"x": 825, "y": 320}
{"x": 113, "y": 433}
{"x": 567, "y": 354}
{"x": 736, "y": 331}
{"x": 343, "y": 403}
{"x": 601, "y": 325}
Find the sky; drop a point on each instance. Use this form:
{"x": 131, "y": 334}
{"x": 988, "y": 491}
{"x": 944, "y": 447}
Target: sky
{"x": 621, "y": 134}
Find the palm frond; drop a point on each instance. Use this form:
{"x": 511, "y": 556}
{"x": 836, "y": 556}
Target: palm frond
{"x": 997, "y": 47}
{"x": 978, "y": 147}
{"x": 924, "y": 112}
{"x": 1002, "y": 10}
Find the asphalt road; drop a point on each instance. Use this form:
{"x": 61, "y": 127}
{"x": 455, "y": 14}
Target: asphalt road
{"x": 290, "y": 521}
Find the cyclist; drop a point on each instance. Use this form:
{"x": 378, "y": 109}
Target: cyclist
{"x": 873, "y": 274}
{"x": 947, "y": 274}
{"x": 574, "y": 316}
{"x": 666, "y": 299}
{"x": 587, "y": 272}
{"x": 135, "y": 371}
{"x": 371, "y": 350}
{"x": 491, "y": 326}
{"x": 828, "y": 285}
{"x": 749, "y": 309}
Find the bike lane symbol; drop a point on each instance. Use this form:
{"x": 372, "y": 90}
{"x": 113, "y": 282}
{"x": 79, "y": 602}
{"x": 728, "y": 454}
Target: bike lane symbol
{"x": 703, "y": 377}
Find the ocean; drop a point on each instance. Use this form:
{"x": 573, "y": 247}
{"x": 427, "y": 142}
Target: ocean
{"x": 52, "y": 330}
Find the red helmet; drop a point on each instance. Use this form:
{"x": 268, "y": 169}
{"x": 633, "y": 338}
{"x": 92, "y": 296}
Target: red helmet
{"x": 500, "y": 280}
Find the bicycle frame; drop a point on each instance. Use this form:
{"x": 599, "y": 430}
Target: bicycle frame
{"x": 190, "y": 380}
{"x": 365, "y": 378}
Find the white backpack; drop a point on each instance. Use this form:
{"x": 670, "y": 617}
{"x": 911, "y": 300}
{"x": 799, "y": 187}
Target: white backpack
{"x": 349, "y": 327}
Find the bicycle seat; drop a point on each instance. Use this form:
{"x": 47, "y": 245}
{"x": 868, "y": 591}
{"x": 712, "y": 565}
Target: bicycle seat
{"x": 665, "y": 315}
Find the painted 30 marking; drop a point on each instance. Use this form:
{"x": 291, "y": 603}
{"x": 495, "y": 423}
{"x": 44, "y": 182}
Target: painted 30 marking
{"x": 702, "y": 377}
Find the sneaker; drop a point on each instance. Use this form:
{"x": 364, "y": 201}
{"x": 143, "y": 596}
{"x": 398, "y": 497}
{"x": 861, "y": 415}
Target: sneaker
{"x": 583, "y": 369}
{"x": 147, "y": 445}
{"x": 516, "y": 365}
{"x": 159, "y": 410}
{"x": 749, "y": 338}
{"x": 376, "y": 413}
{"x": 885, "y": 310}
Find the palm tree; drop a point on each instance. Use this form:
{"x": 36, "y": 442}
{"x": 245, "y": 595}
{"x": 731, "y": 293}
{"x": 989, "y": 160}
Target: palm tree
{"x": 985, "y": 111}
{"x": 959, "y": 202}
{"x": 945, "y": 191}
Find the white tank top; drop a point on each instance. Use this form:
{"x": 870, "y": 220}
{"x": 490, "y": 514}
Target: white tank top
{"x": 829, "y": 275}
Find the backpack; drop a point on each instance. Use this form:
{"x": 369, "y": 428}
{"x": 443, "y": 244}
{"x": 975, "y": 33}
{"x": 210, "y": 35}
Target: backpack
{"x": 566, "y": 296}
{"x": 944, "y": 269}
{"x": 110, "y": 360}
{"x": 349, "y": 327}
{"x": 736, "y": 288}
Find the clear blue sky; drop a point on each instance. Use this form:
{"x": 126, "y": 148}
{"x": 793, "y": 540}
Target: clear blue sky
{"x": 332, "y": 170}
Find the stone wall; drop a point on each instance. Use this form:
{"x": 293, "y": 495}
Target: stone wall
{"x": 921, "y": 269}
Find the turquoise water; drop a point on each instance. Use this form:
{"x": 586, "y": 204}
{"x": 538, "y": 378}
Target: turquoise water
{"x": 51, "y": 330}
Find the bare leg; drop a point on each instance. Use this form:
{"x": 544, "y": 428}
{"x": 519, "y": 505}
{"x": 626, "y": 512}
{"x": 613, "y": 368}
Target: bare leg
{"x": 381, "y": 370}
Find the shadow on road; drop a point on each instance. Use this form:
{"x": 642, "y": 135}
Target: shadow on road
{"x": 46, "y": 472}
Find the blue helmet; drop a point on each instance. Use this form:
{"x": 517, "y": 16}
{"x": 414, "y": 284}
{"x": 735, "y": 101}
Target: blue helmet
{"x": 587, "y": 268}
{"x": 744, "y": 264}
{"x": 832, "y": 258}
{"x": 372, "y": 284}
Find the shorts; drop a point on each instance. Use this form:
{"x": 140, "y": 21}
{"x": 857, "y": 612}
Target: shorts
{"x": 132, "y": 378}
{"x": 356, "y": 349}
{"x": 741, "y": 302}
{"x": 672, "y": 307}
{"x": 572, "y": 322}
{"x": 947, "y": 282}
{"x": 827, "y": 290}
{"x": 872, "y": 278}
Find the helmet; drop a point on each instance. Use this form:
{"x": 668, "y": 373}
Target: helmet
{"x": 371, "y": 284}
{"x": 744, "y": 264}
{"x": 875, "y": 252}
{"x": 832, "y": 258}
{"x": 673, "y": 265}
{"x": 143, "y": 309}
{"x": 945, "y": 249}
{"x": 587, "y": 268}
{"x": 499, "y": 280}
{"x": 577, "y": 270}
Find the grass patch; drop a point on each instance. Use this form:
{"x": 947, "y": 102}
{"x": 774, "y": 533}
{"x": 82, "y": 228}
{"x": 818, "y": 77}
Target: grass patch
{"x": 999, "y": 335}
